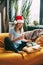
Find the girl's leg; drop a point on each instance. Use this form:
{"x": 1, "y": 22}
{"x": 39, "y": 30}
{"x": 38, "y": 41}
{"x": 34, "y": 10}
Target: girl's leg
{"x": 8, "y": 45}
{"x": 28, "y": 49}
{"x": 21, "y": 46}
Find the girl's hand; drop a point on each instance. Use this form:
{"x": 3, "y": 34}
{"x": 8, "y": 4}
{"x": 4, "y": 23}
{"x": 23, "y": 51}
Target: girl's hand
{"x": 29, "y": 40}
{"x": 21, "y": 37}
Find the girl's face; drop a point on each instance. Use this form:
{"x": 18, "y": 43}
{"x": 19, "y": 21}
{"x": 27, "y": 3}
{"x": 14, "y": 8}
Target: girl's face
{"x": 19, "y": 25}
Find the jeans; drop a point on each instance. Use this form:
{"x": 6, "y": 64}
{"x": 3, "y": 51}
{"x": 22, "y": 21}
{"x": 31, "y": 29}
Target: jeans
{"x": 8, "y": 45}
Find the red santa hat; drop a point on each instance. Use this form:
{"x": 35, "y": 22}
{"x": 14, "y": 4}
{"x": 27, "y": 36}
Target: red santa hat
{"x": 19, "y": 19}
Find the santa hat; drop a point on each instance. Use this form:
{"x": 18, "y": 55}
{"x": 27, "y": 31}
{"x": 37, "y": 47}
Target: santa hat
{"x": 19, "y": 19}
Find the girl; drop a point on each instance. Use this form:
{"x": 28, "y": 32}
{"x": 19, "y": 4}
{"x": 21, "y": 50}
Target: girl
{"x": 14, "y": 42}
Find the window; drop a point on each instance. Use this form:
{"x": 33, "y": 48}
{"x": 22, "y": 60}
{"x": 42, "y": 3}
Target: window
{"x": 35, "y": 12}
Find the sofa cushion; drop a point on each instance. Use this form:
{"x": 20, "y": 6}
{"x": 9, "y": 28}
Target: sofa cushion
{"x": 11, "y": 58}
{"x": 2, "y": 37}
{"x": 1, "y": 43}
{"x": 39, "y": 40}
{"x": 2, "y": 50}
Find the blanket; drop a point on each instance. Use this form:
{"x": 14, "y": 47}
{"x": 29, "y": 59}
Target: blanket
{"x": 33, "y": 34}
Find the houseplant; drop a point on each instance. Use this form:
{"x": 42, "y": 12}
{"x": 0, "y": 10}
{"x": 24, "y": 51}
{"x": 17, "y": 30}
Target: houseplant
{"x": 26, "y": 13}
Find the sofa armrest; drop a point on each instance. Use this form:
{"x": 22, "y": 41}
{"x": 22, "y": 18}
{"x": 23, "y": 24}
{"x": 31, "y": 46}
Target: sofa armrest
{"x": 39, "y": 40}
{"x": 2, "y": 37}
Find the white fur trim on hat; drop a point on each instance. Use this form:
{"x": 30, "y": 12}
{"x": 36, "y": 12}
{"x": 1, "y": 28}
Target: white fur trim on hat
{"x": 15, "y": 22}
{"x": 18, "y": 21}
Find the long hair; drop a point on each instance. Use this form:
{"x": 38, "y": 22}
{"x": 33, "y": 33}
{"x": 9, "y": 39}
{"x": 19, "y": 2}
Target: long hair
{"x": 21, "y": 29}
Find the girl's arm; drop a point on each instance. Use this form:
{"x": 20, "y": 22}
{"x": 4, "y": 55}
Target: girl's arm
{"x": 13, "y": 39}
{"x": 19, "y": 38}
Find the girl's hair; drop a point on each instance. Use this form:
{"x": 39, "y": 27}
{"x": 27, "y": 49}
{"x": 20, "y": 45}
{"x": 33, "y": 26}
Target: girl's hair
{"x": 21, "y": 29}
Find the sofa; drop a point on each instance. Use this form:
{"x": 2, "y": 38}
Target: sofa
{"x": 34, "y": 27}
{"x": 12, "y": 58}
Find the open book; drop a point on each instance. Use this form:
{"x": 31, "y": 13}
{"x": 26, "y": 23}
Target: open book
{"x": 33, "y": 45}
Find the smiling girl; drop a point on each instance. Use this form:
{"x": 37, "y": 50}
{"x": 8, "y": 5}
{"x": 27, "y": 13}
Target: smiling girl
{"x": 14, "y": 41}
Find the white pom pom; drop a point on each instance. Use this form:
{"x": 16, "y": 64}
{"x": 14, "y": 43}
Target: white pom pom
{"x": 15, "y": 22}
